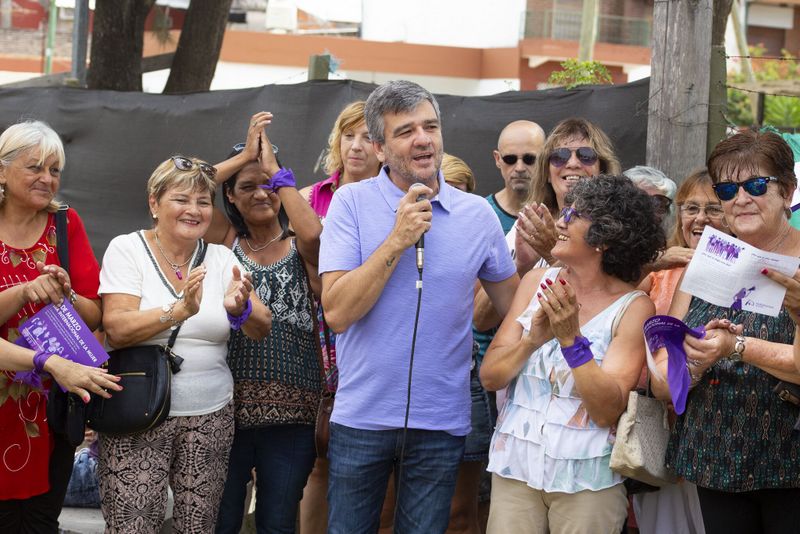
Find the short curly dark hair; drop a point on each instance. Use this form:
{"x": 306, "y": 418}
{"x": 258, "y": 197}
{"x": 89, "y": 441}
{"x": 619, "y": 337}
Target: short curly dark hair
{"x": 623, "y": 222}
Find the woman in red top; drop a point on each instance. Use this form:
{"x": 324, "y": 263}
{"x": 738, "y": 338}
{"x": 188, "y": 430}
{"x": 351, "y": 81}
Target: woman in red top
{"x": 35, "y": 464}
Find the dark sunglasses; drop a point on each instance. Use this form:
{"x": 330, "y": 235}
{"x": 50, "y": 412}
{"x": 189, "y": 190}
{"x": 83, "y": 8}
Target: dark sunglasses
{"x": 569, "y": 212}
{"x": 185, "y": 164}
{"x": 238, "y": 147}
{"x": 511, "y": 159}
{"x": 585, "y": 154}
{"x": 755, "y": 186}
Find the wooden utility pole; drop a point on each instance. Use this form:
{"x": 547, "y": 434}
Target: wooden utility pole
{"x": 588, "y": 30}
{"x": 677, "y": 124}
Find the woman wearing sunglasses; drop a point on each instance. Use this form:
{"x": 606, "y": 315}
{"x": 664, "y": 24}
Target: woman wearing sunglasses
{"x": 570, "y": 350}
{"x": 735, "y": 440}
{"x": 576, "y": 149}
{"x": 277, "y": 380}
{"x": 149, "y": 288}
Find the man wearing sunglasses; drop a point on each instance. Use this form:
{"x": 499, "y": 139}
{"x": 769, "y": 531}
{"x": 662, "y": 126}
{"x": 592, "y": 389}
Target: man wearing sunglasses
{"x": 518, "y": 146}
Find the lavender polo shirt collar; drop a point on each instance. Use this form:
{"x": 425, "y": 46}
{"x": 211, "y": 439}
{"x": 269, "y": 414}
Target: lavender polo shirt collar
{"x": 393, "y": 194}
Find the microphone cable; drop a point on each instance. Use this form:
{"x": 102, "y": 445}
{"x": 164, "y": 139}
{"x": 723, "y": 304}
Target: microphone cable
{"x": 399, "y": 474}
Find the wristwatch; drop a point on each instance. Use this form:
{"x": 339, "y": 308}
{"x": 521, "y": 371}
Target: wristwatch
{"x": 738, "y": 349}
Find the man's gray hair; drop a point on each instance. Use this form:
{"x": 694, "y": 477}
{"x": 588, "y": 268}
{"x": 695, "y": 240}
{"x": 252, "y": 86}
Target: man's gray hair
{"x": 396, "y": 96}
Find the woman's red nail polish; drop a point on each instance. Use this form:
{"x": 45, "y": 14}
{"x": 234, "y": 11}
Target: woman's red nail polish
{"x": 86, "y": 399}
{"x": 543, "y": 286}
{"x": 764, "y": 270}
{"x": 539, "y": 295}
{"x": 563, "y": 282}
{"x": 549, "y": 282}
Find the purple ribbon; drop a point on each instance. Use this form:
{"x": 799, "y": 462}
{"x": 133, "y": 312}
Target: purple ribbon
{"x": 31, "y": 378}
{"x": 669, "y": 332}
{"x": 282, "y": 178}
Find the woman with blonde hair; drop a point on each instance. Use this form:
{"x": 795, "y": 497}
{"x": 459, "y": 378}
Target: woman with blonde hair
{"x": 37, "y": 462}
{"x": 457, "y": 173}
{"x": 152, "y": 282}
{"x": 351, "y": 158}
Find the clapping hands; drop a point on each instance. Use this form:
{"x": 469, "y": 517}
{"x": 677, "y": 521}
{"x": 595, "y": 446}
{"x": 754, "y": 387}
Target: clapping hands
{"x": 238, "y": 292}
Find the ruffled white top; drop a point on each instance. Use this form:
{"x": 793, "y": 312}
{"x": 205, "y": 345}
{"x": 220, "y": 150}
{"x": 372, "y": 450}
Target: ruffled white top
{"x": 544, "y": 436}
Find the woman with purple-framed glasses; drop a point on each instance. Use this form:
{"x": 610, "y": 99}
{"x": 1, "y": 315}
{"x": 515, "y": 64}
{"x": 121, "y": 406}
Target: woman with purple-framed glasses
{"x": 737, "y": 440}
{"x": 569, "y": 351}
{"x": 152, "y": 282}
{"x": 278, "y": 380}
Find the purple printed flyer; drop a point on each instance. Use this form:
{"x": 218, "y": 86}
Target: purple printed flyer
{"x": 60, "y": 330}
{"x": 727, "y": 272}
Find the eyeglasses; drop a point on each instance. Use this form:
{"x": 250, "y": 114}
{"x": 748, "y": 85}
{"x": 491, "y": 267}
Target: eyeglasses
{"x": 585, "y": 154}
{"x": 238, "y": 147}
{"x": 712, "y": 211}
{"x": 569, "y": 212}
{"x": 511, "y": 159}
{"x": 755, "y": 186}
{"x": 185, "y": 164}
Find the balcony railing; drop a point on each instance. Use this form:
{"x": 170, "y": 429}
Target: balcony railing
{"x": 556, "y": 24}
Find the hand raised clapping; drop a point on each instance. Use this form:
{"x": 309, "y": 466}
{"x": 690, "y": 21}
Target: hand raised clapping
{"x": 558, "y": 300}
{"x": 238, "y": 292}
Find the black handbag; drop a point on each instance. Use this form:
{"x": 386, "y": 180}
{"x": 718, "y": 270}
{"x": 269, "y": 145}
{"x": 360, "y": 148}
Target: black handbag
{"x": 146, "y": 373}
{"x": 144, "y": 402}
{"x": 66, "y": 412}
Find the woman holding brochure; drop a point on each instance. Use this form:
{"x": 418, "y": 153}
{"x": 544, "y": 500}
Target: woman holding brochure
{"x": 36, "y": 463}
{"x": 735, "y": 440}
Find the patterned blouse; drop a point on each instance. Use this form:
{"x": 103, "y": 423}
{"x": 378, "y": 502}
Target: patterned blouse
{"x": 736, "y": 434}
{"x": 544, "y": 436}
{"x": 277, "y": 380}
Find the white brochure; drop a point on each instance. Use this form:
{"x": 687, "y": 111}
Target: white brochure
{"x": 727, "y": 272}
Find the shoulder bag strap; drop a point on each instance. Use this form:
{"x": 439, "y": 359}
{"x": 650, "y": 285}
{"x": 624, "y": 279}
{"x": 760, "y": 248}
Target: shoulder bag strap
{"x": 175, "y": 360}
{"x": 62, "y": 240}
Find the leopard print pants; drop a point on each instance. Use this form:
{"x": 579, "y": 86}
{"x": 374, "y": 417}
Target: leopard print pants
{"x": 188, "y": 453}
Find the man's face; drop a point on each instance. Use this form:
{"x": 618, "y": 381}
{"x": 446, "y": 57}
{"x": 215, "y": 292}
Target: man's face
{"x": 515, "y": 156}
{"x": 413, "y": 147}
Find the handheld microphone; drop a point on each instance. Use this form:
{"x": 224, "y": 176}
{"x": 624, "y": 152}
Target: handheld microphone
{"x": 420, "y": 246}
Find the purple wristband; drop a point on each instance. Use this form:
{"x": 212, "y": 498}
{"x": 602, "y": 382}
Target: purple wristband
{"x": 39, "y": 360}
{"x": 578, "y": 353}
{"x": 282, "y": 178}
{"x": 237, "y": 322}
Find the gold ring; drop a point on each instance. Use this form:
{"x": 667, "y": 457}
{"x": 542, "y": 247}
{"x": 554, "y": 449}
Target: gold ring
{"x": 253, "y": 123}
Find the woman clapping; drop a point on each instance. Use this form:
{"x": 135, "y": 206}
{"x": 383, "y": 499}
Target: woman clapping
{"x": 149, "y": 288}
{"x": 570, "y": 350}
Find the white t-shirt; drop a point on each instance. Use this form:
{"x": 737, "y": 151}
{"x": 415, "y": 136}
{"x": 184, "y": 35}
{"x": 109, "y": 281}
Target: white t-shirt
{"x": 204, "y": 383}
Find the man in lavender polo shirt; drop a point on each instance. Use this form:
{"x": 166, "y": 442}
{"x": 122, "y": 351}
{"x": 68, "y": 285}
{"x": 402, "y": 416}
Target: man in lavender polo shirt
{"x": 369, "y": 274}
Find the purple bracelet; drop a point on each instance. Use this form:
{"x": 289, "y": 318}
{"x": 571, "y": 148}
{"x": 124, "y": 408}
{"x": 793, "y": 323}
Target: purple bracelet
{"x": 282, "y": 178}
{"x": 237, "y": 322}
{"x": 578, "y": 353}
{"x": 39, "y": 360}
